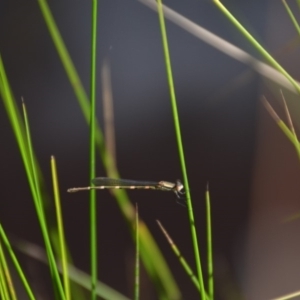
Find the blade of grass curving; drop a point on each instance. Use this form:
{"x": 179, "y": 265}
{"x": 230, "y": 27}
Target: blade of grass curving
{"x": 61, "y": 236}
{"x": 291, "y": 15}
{"x": 181, "y": 259}
{"x": 19, "y": 131}
{"x": 40, "y": 210}
{"x": 16, "y": 264}
{"x": 137, "y": 257}
{"x": 209, "y": 246}
{"x": 252, "y": 40}
{"x": 7, "y": 275}
{"x": 150, "y": 253}
{"x": 77, "y": 293}
{"x": 289, "y": 296}
{"x": 289, "y": 134}
{"x": 290, "y": 122}
{"x": 93, "y": 204}
{"x": 77, "y": 276}
{"x": 180, "y": 145}
{"x": 223, "y": 46}
{"x": 4, "y": 281}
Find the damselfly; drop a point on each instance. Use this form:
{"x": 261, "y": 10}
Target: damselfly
{"x": 101, "y": 183}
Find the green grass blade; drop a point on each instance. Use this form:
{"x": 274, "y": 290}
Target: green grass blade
{"x": 291, "y": 125}
{"x": 25, "y": 150}
{"x": 209, "y": 246}
{"x": 288, "y": 133}
{"x": 16, "y": 123}
{"x": 181, "y": 259}
{"x": 6, "y": 272}
{"x": 137, "y": 257}
{"x": 61, "y": 236}
{"x": 150, "y": 253}
{"x": 180, "y": 146}
{"x": 93, "y": 204}
{"x": 65, "y": 59}
{"x": 3, "y": 295}
{"x": 253, "y": 41}
{"x": 16, "y": 264}
{"x": 291, "y": 15}
{"x": 3, "y": 276}
{"x": 81, "y": 278}
{"x": 40, "y": 210}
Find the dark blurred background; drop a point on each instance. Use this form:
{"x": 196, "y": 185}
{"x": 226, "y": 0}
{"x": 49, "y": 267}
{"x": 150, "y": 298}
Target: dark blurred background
{"x": 218, "y": 103}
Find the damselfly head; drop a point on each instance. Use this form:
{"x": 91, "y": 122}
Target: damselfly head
{"x": 179, "y": 187}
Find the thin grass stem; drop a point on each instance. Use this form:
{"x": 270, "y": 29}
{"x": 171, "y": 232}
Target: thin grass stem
{"x": 292, "y": 17}
{"x": 61, "y": 236}
{"x": 291, "y": 125}
{"x": 93, "y": 204}
{"x": 40, "y": 210}
{"x": 288, "y": 133}
{"x": 137, "y": 257}
{"x": 209, "y": 246}
{"x": 4, "y": 282}
{"x": 108, "y": 116}
{"x": 6, "y": 272}
{"x": 2, "y": 294}
{"x": 253, "y": 41}
{"x": 181, "y": 259}
{"x": 16, "y": 264}
{"x": 180, "y": 145}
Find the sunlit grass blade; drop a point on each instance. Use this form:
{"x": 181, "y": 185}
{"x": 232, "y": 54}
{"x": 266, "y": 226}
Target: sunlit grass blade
{"x": 77, "y": 276}
{"x": 181, "y": 259}
{"x": 40, "y": 210}
{"x": 289, "y": 296}
{"x": 291, "y": 15}
{"x": 253, "y": 41}
{"x": 150, "y": 253}
{"x": 16, "y": 263}
{"x": 61, "y": 236}
{"x": 93, "y": 204}
{"x": 137, "y": 258}
{"x": 210, "y": 289}
{"x": 291, "y": 125}
{"x": 180, "y": 145}
{"x": 6, "y": 273}
{"x": 3, "y": 295}
{"x": 288, "y": 133}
